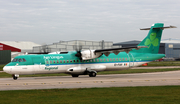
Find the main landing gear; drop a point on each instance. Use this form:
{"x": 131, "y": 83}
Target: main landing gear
{"x": 91, "y": 74}
{"x": 15, "y": 76}
{"x": 75, "y": 75}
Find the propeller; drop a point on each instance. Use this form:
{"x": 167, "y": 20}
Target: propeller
{"x": 78, "y": 49}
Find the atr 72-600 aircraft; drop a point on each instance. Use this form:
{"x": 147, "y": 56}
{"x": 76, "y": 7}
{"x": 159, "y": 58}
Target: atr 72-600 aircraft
{"x": 90, "y": 62}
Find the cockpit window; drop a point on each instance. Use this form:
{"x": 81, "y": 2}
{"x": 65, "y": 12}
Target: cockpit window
{"x": 24, "y": 60}
{"x": 14, "y": 60}
{"x": 19, "y": 60}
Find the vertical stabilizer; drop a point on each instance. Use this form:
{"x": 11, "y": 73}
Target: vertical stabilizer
{"x": 152, "y": 40}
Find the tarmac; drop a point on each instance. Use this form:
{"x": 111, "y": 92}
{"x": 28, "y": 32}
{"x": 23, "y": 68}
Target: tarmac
{"x": 84, "y": 81}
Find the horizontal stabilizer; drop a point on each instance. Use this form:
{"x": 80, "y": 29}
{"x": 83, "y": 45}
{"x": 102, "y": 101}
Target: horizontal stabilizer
{"x": 166, "y": 27}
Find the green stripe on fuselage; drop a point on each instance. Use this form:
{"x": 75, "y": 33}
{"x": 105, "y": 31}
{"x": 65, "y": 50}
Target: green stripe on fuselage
{"x": 55, "y": 59}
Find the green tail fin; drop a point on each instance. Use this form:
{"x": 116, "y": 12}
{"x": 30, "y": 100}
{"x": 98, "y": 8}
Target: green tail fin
{"x": 152, "y": 40}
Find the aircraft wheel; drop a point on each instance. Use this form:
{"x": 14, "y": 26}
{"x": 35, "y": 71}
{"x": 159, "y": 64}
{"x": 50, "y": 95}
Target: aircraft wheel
{"x": 75, "y": 75}
{"x": 93, "y": 74}
{"x": 14, "y": 77}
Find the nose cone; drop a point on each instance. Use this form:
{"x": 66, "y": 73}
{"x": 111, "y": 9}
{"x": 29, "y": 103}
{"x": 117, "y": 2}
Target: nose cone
{"x": 7, "y": 69}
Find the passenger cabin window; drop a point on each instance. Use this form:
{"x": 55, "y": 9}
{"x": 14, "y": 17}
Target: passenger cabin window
{"x": 54, "y": 62}
{"x": 123, "y": 59}
{"x": 116, "y": 59}
{"x": 104, "y": 59}
{"x": 60, "y": 61}
{"x": 107, "y": 59}
{"x": 126, "y": 59}
{"x": 97, "y": 60}
{"x": 110, "y": 59}
{"x": 119, "y": 59}
{"x": 57, "y": 61}
{"x": 113, "y": 59}
{"x": 51, "y": 62}
{"x": 101, "y": 60}
{"x": 67, "y": 61}
{"x": 74, "y": 60}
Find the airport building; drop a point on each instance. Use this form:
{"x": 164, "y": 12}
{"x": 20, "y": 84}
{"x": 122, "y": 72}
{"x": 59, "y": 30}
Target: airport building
{"x": 73, "y": 45}
{"x": 169, "y": 47}
{"x": 16, "y": 47}
{"x": 172, "y": 48}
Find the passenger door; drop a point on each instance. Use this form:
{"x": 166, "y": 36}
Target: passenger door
{"x": 37, "y": 64}
{"x": 131, "y": 60}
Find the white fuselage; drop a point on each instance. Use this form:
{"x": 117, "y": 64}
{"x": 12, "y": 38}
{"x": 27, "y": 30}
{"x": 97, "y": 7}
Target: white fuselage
{"x": 43, "y": 69}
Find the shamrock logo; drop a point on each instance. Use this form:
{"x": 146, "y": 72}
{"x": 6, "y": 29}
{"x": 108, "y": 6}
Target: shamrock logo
{"x": 152, "y": 41}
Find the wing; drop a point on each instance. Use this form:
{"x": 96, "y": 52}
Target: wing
{"x": 117, "y": 50}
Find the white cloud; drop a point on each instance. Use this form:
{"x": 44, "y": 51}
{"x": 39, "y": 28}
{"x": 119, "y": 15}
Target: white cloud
{"x": 54, "y": 20}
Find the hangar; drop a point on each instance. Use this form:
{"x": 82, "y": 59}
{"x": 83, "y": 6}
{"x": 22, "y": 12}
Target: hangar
{"x": 73, "y": 45}
{"x": 17, "y": 46}
{"x": 169, "y": 47}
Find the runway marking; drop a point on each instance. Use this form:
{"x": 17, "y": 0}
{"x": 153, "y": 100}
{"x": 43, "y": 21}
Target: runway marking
{"x": 116, "y": 80}
{"x": 25, "y": 83}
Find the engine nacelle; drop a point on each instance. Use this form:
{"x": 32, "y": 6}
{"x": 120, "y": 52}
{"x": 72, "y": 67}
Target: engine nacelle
{"x": 89, "y": 54}
{"x": 76, "y": 70}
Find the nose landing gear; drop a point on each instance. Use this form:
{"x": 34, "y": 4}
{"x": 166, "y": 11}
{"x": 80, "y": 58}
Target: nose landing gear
{"x": 15, "y": 76}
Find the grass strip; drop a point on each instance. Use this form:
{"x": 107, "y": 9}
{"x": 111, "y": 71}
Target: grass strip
{"x": 1, "y": 67}
{"x": 118, "y": 95}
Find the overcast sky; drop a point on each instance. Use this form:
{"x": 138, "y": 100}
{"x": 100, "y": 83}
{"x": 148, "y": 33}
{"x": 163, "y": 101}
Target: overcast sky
{"x": 48, "y": 21}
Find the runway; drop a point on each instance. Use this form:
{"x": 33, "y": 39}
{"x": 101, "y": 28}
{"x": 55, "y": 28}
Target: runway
{"x": 113, "y": 80}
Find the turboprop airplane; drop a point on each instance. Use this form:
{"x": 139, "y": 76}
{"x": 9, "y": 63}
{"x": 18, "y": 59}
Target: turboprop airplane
{"x": 89, "y": 62}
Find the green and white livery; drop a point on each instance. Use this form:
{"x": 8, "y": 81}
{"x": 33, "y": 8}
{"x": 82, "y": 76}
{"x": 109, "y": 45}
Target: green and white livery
{"x": 90, "y": 61}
